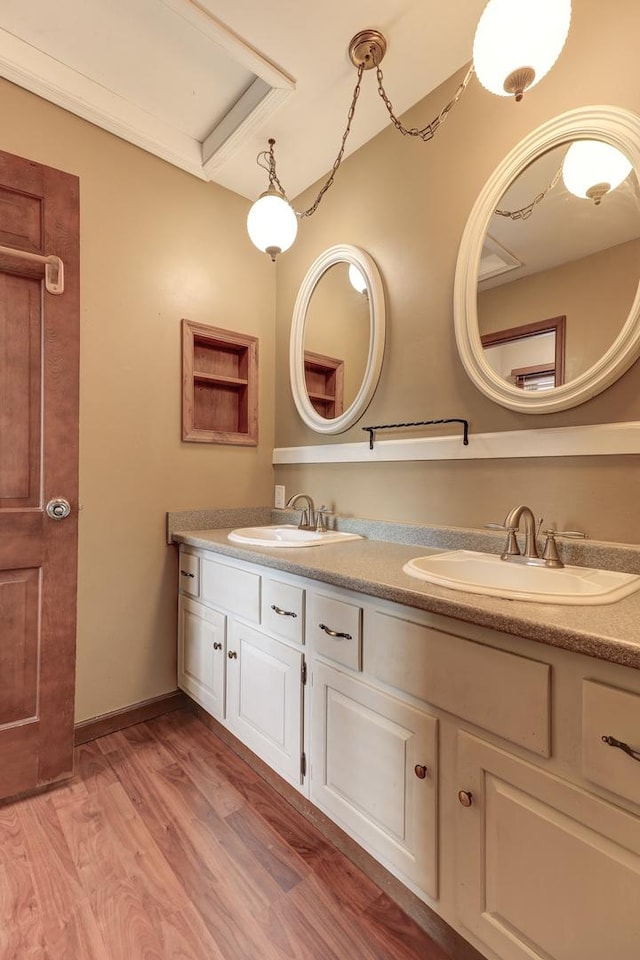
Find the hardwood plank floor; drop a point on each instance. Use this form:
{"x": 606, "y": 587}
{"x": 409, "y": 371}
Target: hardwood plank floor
{"x": 167, "y": 846}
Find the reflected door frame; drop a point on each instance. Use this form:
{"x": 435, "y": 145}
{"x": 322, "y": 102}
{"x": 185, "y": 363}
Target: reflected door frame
{"x": 555, "y": 325}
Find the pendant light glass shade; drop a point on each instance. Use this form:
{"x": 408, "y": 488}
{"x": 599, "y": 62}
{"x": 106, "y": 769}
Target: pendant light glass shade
{"x": 356, "y": 279}
{"x": 272, "y": 223}
{"x": 592, "y": 168}
{"x": 517, "y": 42}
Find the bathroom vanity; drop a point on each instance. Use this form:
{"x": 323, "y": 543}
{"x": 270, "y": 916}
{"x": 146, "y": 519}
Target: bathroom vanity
{"x": 458, "y": 739}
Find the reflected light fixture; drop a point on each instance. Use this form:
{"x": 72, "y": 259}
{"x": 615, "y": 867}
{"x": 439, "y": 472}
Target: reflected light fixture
{"x": 356, "y": 279}
{"x": 516, "y": 44}
{"x": 592, "y": 168}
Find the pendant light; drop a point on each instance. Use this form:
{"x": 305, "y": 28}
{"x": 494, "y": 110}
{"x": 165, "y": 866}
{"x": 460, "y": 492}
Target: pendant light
{"x": 592, "y": 168}
{"x": 517, "y": 42}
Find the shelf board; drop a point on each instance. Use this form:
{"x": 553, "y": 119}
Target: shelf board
{"x": 321, "y": 397}
{"x": 220, "y": 379}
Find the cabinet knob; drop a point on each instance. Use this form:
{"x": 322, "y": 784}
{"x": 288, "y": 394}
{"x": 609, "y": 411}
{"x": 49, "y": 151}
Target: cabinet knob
{"x": 217, "y": 645}
{"x": 465, "y": 797}
{"x": 186, "y": 573}
{"x": 232, "y": 655}
{"x": 420, "y": 771}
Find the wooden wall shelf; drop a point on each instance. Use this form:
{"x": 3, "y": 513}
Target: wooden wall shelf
{"x": 219, "y": 385}
{"x": 324, "y": 378}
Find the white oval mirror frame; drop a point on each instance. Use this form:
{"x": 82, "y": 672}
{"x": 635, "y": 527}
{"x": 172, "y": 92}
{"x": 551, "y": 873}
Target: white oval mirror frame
{"x": 612, "y": 125}
{"x": 341, "y": 253}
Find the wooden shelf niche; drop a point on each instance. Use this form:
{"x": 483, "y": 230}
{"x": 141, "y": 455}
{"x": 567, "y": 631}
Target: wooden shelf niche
{"x": 324, "y": 377}
{"x": 219, "y": 385}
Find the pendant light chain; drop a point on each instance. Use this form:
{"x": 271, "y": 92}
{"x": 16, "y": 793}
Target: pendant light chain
{"x": 428, "y": 132}
{"x": 525, "y": 212}
{"x": 338, "y": 160}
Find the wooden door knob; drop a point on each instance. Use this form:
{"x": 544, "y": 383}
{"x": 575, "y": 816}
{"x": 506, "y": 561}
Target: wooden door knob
{"x": 465, "y": 797}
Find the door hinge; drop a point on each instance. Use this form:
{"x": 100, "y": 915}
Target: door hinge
{"x": 303, "y": 764}
{"x": 303, "y": 672}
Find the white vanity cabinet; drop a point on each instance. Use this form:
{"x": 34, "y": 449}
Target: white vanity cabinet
{"x": 374, "y": 772}
{"x": 470, "y": 763}
{"x": 545, "y": 869}
{"x": 201, "y": 655}
{"x": 250, "y": 681}
{"x": 264, "y": 698}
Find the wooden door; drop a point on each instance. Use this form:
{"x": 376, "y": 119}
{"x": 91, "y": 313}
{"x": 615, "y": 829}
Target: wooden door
{"x": 264, "y": 698}
{"x": 374, "y": 771}
{"x": 546, "y": 871}
{"x": 38, "y": 462}
{"x": 202, "y": 655}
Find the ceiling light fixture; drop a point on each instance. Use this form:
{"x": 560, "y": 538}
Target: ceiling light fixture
{"x": 531, "y": 32}
{"x": 592, "y": 168}
{"x": 517, "y": 42}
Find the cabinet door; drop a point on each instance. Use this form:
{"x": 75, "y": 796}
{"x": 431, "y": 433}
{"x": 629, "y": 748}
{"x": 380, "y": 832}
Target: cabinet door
{"x": 546, "y": 871}
{"x": 264, "y": 698}
{"x": 374, "y": 771}
{"x": 201, "y": 655}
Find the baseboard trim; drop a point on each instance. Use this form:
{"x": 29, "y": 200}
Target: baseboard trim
{"x": 107, "y": 723}
{"x": 438, "y": 929}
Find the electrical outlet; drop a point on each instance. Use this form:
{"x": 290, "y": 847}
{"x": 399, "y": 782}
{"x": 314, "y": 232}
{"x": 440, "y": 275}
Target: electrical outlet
{"x": 279, "y": 496}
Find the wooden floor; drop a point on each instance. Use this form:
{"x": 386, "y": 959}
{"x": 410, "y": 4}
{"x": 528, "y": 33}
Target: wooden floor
{"x": 167, "y": 846}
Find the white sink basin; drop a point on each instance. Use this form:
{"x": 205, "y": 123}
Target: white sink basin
{"x": 489, "y": 575}
{"x": 282, "y": 535}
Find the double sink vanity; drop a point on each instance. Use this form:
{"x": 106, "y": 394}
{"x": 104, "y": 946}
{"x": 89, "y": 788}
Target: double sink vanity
{"x": 457, "y": 737}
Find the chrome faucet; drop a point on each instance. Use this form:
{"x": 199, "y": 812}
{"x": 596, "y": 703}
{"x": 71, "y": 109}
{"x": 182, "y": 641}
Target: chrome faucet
{"x": 512, "y": 525}
{"x": 308, "y": 515}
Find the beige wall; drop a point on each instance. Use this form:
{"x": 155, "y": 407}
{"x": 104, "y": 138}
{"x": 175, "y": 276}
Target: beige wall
{"x": 407, "y": 203}
{"x": 156, "y": 245}
{"x": 594, "y": 293}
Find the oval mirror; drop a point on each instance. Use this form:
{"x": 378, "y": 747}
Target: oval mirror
{"x": 337, "y": 339}
{"x": 547, "y": 295}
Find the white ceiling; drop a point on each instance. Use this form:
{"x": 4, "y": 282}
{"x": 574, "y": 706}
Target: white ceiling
{"x": 205, "y": 84}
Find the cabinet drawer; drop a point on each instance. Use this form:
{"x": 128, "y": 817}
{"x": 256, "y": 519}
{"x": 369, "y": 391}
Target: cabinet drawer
{"x": 235, "y": 590}
{"x": 283, "y": 610}
{"x": 501, "y": 692}
{"x": 610, "y": 712}
{"x": 189, "y": 574}
{"x": 334, "y": 627}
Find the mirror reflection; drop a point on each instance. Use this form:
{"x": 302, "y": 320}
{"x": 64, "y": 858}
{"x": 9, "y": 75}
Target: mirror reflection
{"x": 559, "y": 267}
{"x": 336, "y": 339}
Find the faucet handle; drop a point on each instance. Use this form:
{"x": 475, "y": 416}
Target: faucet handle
{"x": 565, "y": 534}
{"x": 492, "y": 525}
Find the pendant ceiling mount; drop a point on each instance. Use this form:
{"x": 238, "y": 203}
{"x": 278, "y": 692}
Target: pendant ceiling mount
{"x": 367, "y": 47}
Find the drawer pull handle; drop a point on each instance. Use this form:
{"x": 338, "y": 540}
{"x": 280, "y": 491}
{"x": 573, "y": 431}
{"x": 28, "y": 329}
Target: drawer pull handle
{"x": 334, "y": 633}
{"x": 185, "y": 573}
{"x": 216, "y": 645}
{"x": 283, "y": 613}
{"x": 612, "y": 742}
{"x": 420, "y": 771}
{"x": 465, "y": 797}
{"x": 232, "y": 655}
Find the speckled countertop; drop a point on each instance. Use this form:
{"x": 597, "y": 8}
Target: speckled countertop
{"x": 374, "y": 567}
